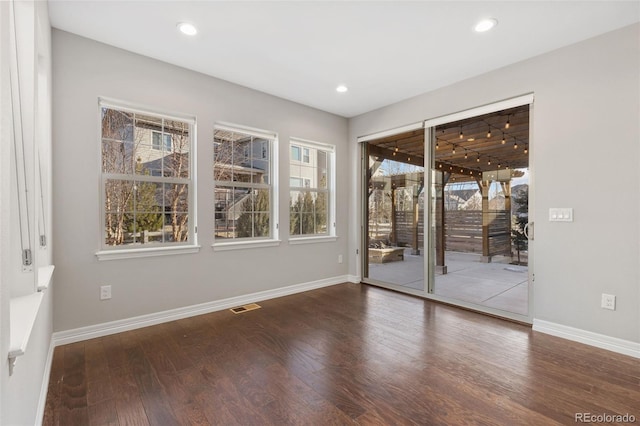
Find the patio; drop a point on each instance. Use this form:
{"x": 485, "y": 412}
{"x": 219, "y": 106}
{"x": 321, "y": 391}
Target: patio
{"x": 498, "y": 284}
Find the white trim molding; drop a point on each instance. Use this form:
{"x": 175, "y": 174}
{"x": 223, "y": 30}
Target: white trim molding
{"x": 621, "y": 346}
{"x": 44, "y": 389}
{"x": 354, "y": 279}
{"x": 391, "y": 132}
{"x": 481, "y": 110}
{"x": 118, "y": 326}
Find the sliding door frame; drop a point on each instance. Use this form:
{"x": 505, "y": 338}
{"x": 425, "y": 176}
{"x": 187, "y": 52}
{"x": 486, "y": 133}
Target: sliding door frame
{"x": 429, "y": 126}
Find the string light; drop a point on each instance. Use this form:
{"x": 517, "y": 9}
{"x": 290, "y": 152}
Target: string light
{"x": 489, "y": 132}
{"x": 489, "y": 162}
{"x": 503, "y": 139}
{"x": 499, "y": 165}
{"x": 526, "y": 149}
{"x": 478, "y": 158}
{"x": 465, "y": 155}
{"x": 508, "y": 123}
{"x": 461, "y": 135}
{"x": 515, "y": 143}
{"x": 437, "y": 145}
{"x": 453, "y": 151}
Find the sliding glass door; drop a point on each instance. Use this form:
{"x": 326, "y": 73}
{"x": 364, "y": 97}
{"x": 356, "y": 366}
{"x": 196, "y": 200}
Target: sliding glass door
{"x": 460, "y": 233}
{"x": 479, "y": 196}
{"x": 393, "y": 205}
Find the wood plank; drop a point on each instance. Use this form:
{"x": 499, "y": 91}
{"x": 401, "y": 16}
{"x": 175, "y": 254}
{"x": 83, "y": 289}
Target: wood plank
{"x": 73, "y": 398}
{"x": 345, "y": 354}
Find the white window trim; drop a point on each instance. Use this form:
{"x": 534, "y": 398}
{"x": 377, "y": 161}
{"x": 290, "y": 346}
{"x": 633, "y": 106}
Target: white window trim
{"x": 127, "y": 252}
{"x": 272, "y": 156}
{"x": 145, "y": 252}
{"x": 313, "y": 240}
{"x": 332, "y": 234}
{"x": 245, "y": 244}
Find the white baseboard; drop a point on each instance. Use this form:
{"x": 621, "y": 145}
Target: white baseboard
{"x": 354, "y": 279}
{"x": 45, "y": 385}
{"x": 112, "y": 327}
{"x": 625, "y": 347}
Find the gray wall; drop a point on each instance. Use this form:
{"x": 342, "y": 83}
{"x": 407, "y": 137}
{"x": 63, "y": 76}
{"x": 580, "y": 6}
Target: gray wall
{"x": 584, "y": 154}
{"x": 84, "y": 70}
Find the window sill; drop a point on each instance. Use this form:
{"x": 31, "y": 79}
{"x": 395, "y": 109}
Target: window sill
{"x": 23, "y": 313}
{"x": 312, "y": 240}
{"x": 45, "y": 274}
{"x": 145, "y": 252}
{"x": 241, "y": 245}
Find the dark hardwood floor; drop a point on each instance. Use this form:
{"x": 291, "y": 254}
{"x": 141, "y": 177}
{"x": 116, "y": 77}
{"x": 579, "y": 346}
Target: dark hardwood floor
{"x": 346, "y": 354}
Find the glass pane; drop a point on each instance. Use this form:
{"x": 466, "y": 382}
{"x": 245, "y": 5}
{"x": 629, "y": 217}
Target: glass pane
{"x": 176, "y": 228}
{"x": 119, "y": 202}
{"x": 259, "y": 170}
{"x": 176, "y": 197}
{"x": 307, "y": 223}
{"x": 261, "y": 225}
{"x": 148, "y": 212}
{"x": 232, "y": 151}
{"x": 117, "y": 157}
{"x": 117, "y": 125}
{"x": 321, "y": 210}
{"x": 295, "y": 153}
{"x": 224, "y": 215}
{"x": 295, "y": 200}
{"x": 243, "y": 211}
{"x": 148, "y": 161}
{"x": 322, "y": 170}
{"x": 117, "y": 141}
{"x": 395, "y": 232}
{"x": 307, "y": 173}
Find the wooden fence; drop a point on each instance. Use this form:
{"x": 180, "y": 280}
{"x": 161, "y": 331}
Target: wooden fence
{"x": 404, "y": 226}
{"x": 463, "y": 231}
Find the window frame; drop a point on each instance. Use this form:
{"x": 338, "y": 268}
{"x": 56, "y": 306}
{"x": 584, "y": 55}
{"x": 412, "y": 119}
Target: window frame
{"x": 330, "y": 151}
{"x": 108, "y": 252}
{"x": 272, "y": 183}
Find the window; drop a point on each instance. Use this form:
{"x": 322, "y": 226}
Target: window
{"x": 295, "y": 153}
{"x": 299, "y": 153}
{"x": 311, "y": 186}
{"x": 158, "y": 139}
{"x": 147, "y": 184}
{"x": 243, "y": 172}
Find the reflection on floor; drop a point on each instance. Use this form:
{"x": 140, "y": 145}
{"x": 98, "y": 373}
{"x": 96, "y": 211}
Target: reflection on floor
{"x": 496, "y": 285}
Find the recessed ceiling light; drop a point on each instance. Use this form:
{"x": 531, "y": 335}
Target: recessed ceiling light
{"x": 187, "y": 28}
{"x": 485, "y": 25}
{"x": 342, "y": 88}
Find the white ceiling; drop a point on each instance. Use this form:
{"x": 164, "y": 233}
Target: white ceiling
{"x": 383, "y": 51}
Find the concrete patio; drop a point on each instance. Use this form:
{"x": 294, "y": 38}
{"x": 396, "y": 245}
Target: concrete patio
{"x": 497, "y": 285}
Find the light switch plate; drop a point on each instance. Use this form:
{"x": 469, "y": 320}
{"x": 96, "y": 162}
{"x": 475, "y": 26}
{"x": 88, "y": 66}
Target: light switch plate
{"x": 564, "y": 214}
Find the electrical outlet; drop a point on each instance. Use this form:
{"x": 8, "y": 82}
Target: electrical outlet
{"x": 608, "y": 301}
{"x": 105, "y": 292}
{"x": 339, "y": 258}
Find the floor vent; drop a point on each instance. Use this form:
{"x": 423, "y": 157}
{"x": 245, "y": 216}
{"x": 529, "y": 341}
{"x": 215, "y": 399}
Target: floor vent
{"x": 245, "y": 308}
